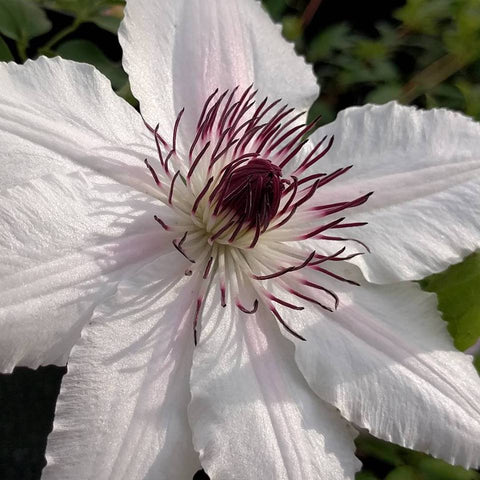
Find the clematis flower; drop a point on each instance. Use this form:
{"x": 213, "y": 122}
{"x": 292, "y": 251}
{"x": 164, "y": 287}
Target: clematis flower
{"x": 204, "y": 269}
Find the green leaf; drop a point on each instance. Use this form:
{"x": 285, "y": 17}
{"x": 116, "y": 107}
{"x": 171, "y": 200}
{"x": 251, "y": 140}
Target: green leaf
{"x": 107, "y": 22}
{"x": 321, "y": 109}
{"x": 458, "y": 299}
{"x": 424, "y": 15}
{"x": 292, "y": 27}
{"x": 431, "y": 101}
{"x": 355, "y": 71}
{"x": 5, "y": 53}
{"x": 444, "y": 95}
{"x": 21, "y": 20}
{"x": 463, "y": 38}
{"x": 336, "y": 37}
{"x": 109, "y": 18}
{"x": 367, "y": 49}
{"x": 88, "y": 52}
{"x": 388, "y": 35}
{"x": 405, "y": 472}
{"x": 384, "y": 93}
{"x": 435, "y": 469}
{"x": 126, "y": 93}
{"x": 471, "y": 97}
{"x": 85, "y": 9}
{"x": 476, "y": 362}
{"x": 365, "y": 475}
{"x": 275, "y": 8}
{"x": 370, "y": 446}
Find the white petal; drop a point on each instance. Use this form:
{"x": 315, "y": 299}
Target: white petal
{"x": 252, "y": 414}
{"x": 64, "y": 243}
{"x": 424, "y": 167}
{"x": 177, "y": 52}
{"x": 57, "y": 116}
{"x": 122, "y": 409}
{"x": 385, "y": 359}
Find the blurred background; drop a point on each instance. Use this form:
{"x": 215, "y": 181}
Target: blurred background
{"x": 418, "y": 52}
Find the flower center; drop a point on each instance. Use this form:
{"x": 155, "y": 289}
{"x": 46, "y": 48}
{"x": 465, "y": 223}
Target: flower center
{"x": 240, "y": 221}
{"x": 252, "y": 191}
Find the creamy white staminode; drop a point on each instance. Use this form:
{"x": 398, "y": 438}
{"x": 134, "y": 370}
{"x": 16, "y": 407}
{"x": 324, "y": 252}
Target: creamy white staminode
{"x": 238, "y": 216}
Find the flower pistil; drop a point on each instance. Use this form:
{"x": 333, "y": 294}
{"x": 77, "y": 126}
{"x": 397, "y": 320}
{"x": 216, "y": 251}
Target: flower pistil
{"x": 238, "y": 216}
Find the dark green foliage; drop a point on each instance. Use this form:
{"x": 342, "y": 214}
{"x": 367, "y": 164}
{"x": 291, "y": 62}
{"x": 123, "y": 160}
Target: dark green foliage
{"x": 87, "y": 52}
{"x": 383, "y": 460}
{"x": 22, "y": 20}
{"x": 5, "y": 53}
{"x": 425, "y": 53}
{"x": 458, "y": 291}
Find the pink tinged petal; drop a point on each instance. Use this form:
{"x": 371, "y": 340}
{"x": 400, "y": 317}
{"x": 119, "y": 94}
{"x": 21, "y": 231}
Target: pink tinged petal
{"x": 252, "y": 414}
{"x": 386, "y": 361}
{"x": 177, "y": 52}
{"x": 424, "y": 169}
{"x": 122, "y": 409}
{"x": 65, "y": 241}
{"x": 57, "y": 116}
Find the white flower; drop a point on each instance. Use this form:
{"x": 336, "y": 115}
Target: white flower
{"x": 239, "y": 233}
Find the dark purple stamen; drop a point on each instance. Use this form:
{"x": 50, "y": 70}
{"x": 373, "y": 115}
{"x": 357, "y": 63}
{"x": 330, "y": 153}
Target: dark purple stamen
{"x": 284, "y": 303}
{"x": 178, "y": 246}
{"x": 285, "y": 325}
{"x": 310, "y": 299}
{"x": 207, "y": 268}
{"x": 232, "y": 175}
{"x": 286, "y": 270}
{"x": 161, "y": 222}
{"x": 253, "y": 191}
{"x": 172, "y": 186}
{"x": 245, "y": 310}
{"x": 153, "y": 173}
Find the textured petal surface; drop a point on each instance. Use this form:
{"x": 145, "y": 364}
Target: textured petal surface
{"x": 177, "y": 52}
{"x": 122, "y": 409}
{"x": 57, "y": 116}
{"x": 424, "y": 167}
{"x": 252, "y": 414}
{"x": 65, "y": 240}
{"x": 385, "y": 359}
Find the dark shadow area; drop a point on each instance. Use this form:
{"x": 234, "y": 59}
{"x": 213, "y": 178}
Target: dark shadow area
{"x": 201, "y": 475}
{"x": 28, "y": 401}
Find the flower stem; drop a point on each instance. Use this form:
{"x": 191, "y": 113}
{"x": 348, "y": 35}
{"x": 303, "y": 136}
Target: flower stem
{"x": 431, "y": 76}
{"x": 47, "y": 48}
{"x": 310, "y": 11}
